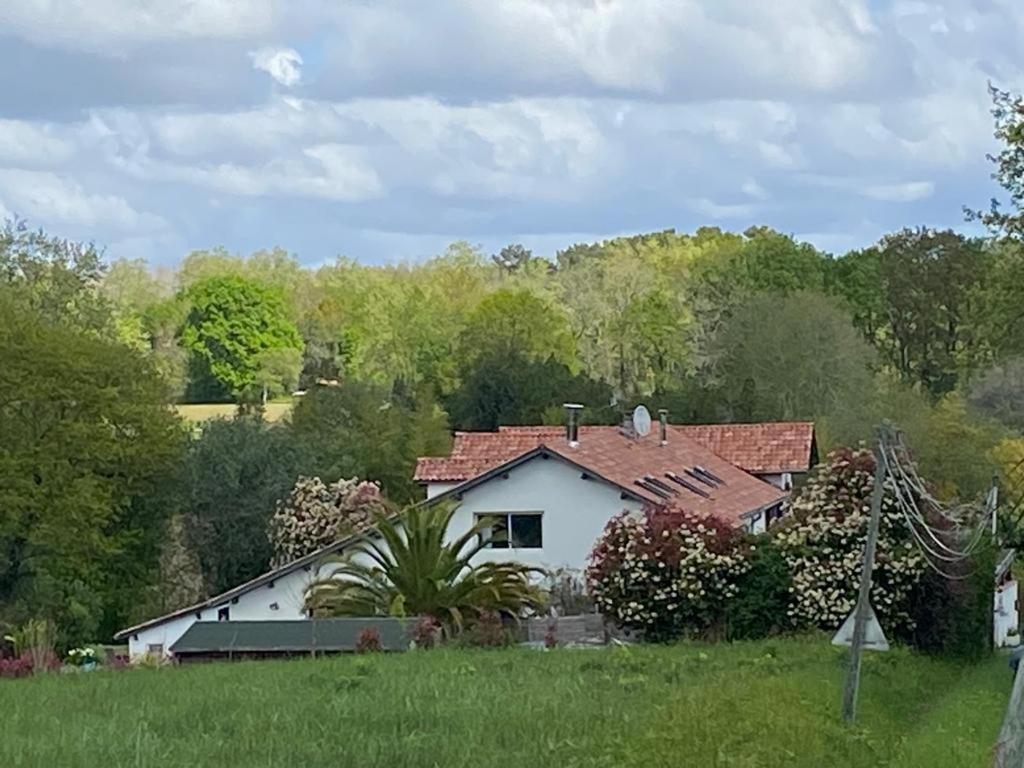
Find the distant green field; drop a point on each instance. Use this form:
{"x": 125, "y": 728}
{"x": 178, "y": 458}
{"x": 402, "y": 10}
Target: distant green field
{"x": 199, "y": 412}
{"x": 753, "y": 705}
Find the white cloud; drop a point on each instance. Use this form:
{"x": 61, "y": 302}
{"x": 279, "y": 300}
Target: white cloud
{"x": 114, "y": 26}
{"x": 282, "y": 64}
{"x": 713, "y": 210}
{"x": 325, "y": 171}
{"x": 24, "y": 143}
{"x": 751, "y": 188}
{"x": 53, "y": 200}
{"x": 905, "y": 192}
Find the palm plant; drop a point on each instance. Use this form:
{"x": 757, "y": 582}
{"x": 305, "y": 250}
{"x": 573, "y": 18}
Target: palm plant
{"x": 414, "y": 571}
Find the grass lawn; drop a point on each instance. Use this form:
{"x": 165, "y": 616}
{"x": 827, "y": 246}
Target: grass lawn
{"x": 754, "y": 705}
{"x": 200, "y": 412}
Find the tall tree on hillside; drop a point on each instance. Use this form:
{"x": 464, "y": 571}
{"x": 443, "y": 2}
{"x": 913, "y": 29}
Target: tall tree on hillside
{"x": 930, "y": 280}
{"x": 1008, "y": 113}
{"x": 999, "y": 393}
{"x": 792, "y": 357}
{"x": 368, "y": 431}
{"x": 920, "y": 297}
{"x": 231, "y": 322}
{"x": 510, "y": 388}
{"x": 234, "y": 476}
{"x": 56, "y": 278}
{"x": 87, "y": 438}
{"x": 512, "y": 257}
{"x": 517, "y": 321}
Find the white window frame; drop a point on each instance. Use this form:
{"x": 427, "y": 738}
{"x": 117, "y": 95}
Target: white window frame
{"x": 508, "y": 515}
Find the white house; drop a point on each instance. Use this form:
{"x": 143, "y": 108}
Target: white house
{"x": 549, "y": 493}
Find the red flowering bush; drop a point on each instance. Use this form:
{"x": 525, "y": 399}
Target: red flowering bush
{"x": 24, "y": 665}
{"x": 19, "y": 666}
{"x": 368, "y": 641}
{"x": 665, "y": 572}
{"x": 426, "y": 633}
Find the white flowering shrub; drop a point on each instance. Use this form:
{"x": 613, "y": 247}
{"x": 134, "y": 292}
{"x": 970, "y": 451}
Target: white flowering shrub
{"x": 315, "y": 514}
{"x": 664, "y": 573}
{"x": 822, "y": 541}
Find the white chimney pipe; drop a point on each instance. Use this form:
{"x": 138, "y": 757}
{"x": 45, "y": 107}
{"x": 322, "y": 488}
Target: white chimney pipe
{"x": 572, "y": 423}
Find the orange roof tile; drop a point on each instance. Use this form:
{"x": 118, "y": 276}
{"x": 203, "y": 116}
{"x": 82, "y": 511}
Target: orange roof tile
{"x": 728, "y": 451}
{"x": 766, "y": 448}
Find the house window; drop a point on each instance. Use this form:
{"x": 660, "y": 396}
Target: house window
{"x": 515, "y": 530}
{"x": 155, "y": 649}
{"x": 224, "y": 614}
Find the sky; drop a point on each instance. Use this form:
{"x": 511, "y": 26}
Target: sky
{"x": 382, "y": 130}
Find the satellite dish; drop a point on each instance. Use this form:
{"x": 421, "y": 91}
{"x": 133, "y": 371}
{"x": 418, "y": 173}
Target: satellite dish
{"x": 641, "y": 421}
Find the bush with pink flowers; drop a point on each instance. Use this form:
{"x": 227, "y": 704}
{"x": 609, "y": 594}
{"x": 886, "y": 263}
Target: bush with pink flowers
{"x": 665, "y": 573}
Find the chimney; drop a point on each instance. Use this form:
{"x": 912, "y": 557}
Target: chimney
{"x": 572, "y": 423}
{"x": 663, "y": 417}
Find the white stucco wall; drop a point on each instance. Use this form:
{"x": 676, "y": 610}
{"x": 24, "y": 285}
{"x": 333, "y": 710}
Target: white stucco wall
{"x": 1006, "y": 616}
{"x": 433, "y": 489}
{"x": 286, "y": 592}
{"x": 574, "y": 511}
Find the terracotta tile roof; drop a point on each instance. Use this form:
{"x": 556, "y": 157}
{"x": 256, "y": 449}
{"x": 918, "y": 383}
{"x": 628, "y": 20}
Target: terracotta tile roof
{"x": 766, "y": 448}
{"x": 622, "y": 460}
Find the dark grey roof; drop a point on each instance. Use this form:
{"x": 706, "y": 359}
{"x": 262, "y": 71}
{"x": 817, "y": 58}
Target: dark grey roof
{"x": 298, "y": 636}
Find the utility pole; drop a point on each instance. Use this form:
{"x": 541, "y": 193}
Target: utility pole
{"x": 864, "y": 597}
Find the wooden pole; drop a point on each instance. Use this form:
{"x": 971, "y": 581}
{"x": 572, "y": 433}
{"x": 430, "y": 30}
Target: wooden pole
{"x": 864, "y": 597}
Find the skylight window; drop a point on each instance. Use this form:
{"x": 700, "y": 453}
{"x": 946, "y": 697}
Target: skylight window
{"x": 687, "y": 485}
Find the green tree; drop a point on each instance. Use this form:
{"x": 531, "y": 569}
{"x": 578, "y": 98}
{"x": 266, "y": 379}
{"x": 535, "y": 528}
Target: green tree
{"x": 930, "y": 281}
{"x": 56, "y": 278}
{"x": 369, "y": 431}
{"x": 87, "y": 441}
{"x": 234, "y": 475}
{"x": 277, "y": 372}
{"x": 512, "y": 257}
{"x": 517, "y": 321}
{"x": 420, "y": 570}
{"x": 1008, "y": 113}
{"x": 998, "y": 393}
{"x": 509, "y": 388}
{"x": 231, "y": 321}
{"x": 792, "y": 357}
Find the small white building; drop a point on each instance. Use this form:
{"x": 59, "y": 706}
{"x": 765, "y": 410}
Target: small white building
{"x": 550, "y": 493}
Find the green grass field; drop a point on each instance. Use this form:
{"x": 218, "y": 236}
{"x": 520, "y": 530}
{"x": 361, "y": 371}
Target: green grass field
{"x": 754, "y": 705}
{"x": 200, "y": 412}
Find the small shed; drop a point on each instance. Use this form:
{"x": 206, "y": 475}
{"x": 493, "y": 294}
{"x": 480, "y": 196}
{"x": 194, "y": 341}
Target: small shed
{"x": 1006, "y": 617}
{"x": 238, "y": 640}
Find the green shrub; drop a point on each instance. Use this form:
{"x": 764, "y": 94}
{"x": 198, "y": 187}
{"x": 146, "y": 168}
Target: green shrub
{"x": 762, "y": 597}
{"x": 953, "y": 617}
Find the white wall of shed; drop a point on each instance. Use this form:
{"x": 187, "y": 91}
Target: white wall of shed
{"x": 1006, "y": 615}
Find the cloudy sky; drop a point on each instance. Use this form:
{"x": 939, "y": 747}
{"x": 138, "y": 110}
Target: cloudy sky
{"x": 384, "y": 129}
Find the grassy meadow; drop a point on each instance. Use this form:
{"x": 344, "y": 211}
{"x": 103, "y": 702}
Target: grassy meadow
{"x": 197, "y": 413}
{"x": 749, "y": 705}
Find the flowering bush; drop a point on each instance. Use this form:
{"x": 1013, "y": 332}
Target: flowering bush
{"x": 315, "y": 514}
{"x": 665, "y": 572}
{"x": 82, "y": 657}
{"x": 426, "y": 633}
{"x": 822, "y": 541}
{"x": 368, "y": 641}
{"x": 28, "y": 663}
{"x": 18, "y": 666}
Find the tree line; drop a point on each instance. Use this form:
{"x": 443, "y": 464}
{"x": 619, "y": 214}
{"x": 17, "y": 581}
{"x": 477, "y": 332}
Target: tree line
{"x": 105, "y": 493}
